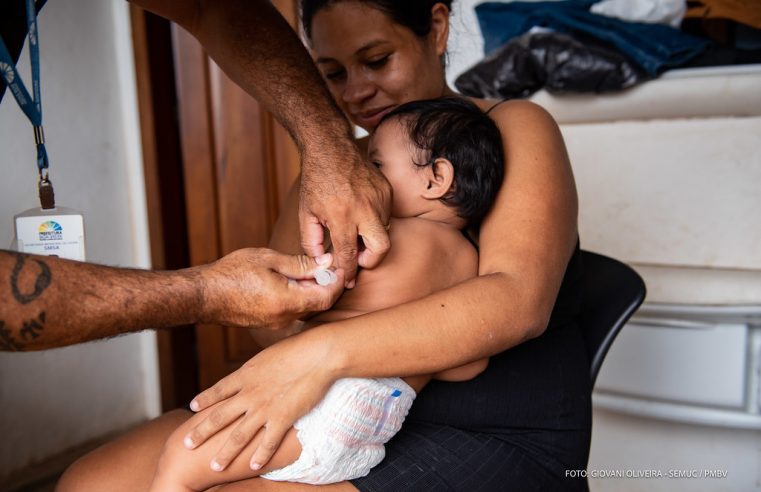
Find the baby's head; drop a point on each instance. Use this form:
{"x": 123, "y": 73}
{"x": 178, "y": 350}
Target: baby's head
{"x": 440, "y": 154}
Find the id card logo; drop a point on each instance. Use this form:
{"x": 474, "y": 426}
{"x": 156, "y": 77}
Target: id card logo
{"x": 50, "y": 231}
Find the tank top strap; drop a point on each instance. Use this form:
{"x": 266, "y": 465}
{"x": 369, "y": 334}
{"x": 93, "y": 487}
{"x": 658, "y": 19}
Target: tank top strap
{"x": 495, "y": 105}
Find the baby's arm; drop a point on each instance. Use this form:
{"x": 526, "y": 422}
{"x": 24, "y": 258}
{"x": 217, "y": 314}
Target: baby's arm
{"x": 184, "y": 470}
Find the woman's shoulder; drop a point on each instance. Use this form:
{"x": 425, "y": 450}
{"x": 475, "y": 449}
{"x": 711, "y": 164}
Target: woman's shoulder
{"x": 524, "y": 124}
{"x": 513, "y": 109}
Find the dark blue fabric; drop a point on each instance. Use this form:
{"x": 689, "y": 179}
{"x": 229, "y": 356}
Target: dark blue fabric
{"x": 654, "y": 47}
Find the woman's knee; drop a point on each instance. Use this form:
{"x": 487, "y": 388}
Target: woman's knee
{"x": 75, "y": 477}
{"x": 90, "y": 472}
{"x": 125, "y": 464}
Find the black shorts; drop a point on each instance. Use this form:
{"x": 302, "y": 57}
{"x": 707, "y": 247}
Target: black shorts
{"x": 520, "y": 425}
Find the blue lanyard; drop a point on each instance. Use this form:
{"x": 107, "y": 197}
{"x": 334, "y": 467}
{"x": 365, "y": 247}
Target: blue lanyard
{"x": 31, "y": 106}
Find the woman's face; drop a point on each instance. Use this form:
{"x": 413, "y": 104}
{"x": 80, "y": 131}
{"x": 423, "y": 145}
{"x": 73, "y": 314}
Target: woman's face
{"x": 372, "y": 64}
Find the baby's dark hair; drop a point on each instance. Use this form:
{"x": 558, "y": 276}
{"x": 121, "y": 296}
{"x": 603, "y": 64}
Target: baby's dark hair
{"x": 413, "y": 14}
{"x": 455, "y": 129}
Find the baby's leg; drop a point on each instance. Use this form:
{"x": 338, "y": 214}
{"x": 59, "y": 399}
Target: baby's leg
{"x": 184, "y": 470}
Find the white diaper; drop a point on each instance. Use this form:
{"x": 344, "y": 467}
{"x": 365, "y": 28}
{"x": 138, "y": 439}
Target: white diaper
{"x": 343, "y": 436}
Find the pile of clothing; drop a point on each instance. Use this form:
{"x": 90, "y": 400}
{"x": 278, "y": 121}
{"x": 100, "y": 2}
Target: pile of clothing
{"x": 577, "y": 46}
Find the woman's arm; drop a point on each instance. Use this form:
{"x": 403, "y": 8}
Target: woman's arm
{"x": 525, "y": 245}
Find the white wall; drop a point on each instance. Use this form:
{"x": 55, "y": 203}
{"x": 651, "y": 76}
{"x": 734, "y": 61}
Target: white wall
{"x": 466, "y": 45}
{"x": 53, "y": 400}
{"x": 678, "y": 199}
{"x": 622, "y": 443}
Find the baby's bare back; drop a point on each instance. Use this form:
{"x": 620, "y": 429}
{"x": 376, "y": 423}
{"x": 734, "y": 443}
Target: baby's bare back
{"x": 425, "y": 257}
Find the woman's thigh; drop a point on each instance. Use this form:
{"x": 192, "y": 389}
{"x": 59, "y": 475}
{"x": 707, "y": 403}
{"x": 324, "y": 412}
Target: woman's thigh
{"x": 424, "y": 456}
{"x": 126, "y": 464}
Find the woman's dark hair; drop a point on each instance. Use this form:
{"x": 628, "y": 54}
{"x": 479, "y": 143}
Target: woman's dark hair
{"x": 455, "y": 129}
{"x": 414, "y": 14}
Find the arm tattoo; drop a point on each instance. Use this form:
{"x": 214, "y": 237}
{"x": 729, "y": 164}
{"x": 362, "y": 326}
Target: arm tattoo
{"x": 7, "y": 342}
{"x": 31, "y": 328}
{"x": 29, "y": 331}
{"x": 40, "y": 284}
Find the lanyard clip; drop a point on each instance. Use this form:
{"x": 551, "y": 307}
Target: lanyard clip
{"x": 46, "y": 192}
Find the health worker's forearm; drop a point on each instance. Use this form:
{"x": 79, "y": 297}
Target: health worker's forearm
{"x": 48, "y": 302}
{"x": 259, "y": 51}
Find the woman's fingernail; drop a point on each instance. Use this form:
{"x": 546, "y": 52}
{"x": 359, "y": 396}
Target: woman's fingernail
{"x": 194, "y": 406}
{"x": 351, "y": 283}
{"x": 188, "y": 442}
{"x": 324, "y": 260}
{"x": 255, "y": 466}
{"x": 215, "y": 466}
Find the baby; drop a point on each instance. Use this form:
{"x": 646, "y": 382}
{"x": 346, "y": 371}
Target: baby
{"x": 444, "y": 160}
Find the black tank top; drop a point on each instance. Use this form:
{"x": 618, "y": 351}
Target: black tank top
{"x": 568, "y": 303}
{"x": 540, "y": 384}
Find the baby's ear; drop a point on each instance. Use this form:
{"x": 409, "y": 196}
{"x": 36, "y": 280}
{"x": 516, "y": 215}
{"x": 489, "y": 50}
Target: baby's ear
{"x": 440, "y": 179}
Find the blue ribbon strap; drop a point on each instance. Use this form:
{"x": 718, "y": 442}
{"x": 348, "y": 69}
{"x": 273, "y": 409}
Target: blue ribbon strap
{"x": 30, "y": 105}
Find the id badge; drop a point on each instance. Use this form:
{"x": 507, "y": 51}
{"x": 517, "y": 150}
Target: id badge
{"x": 57, "y": 231}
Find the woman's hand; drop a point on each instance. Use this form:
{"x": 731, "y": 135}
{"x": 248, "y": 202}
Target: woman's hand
{"x": 271, "y": 391}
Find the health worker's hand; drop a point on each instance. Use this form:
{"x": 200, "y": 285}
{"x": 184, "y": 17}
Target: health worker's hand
{"x": 271, "y": 391}
{"x": 352, "y": 199}
{"x": 263, "y": 288}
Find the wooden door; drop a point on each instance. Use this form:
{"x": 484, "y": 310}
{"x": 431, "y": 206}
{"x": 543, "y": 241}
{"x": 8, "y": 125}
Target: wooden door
{"x": 164, "y": 189}
{"x": 238, "y": 164}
